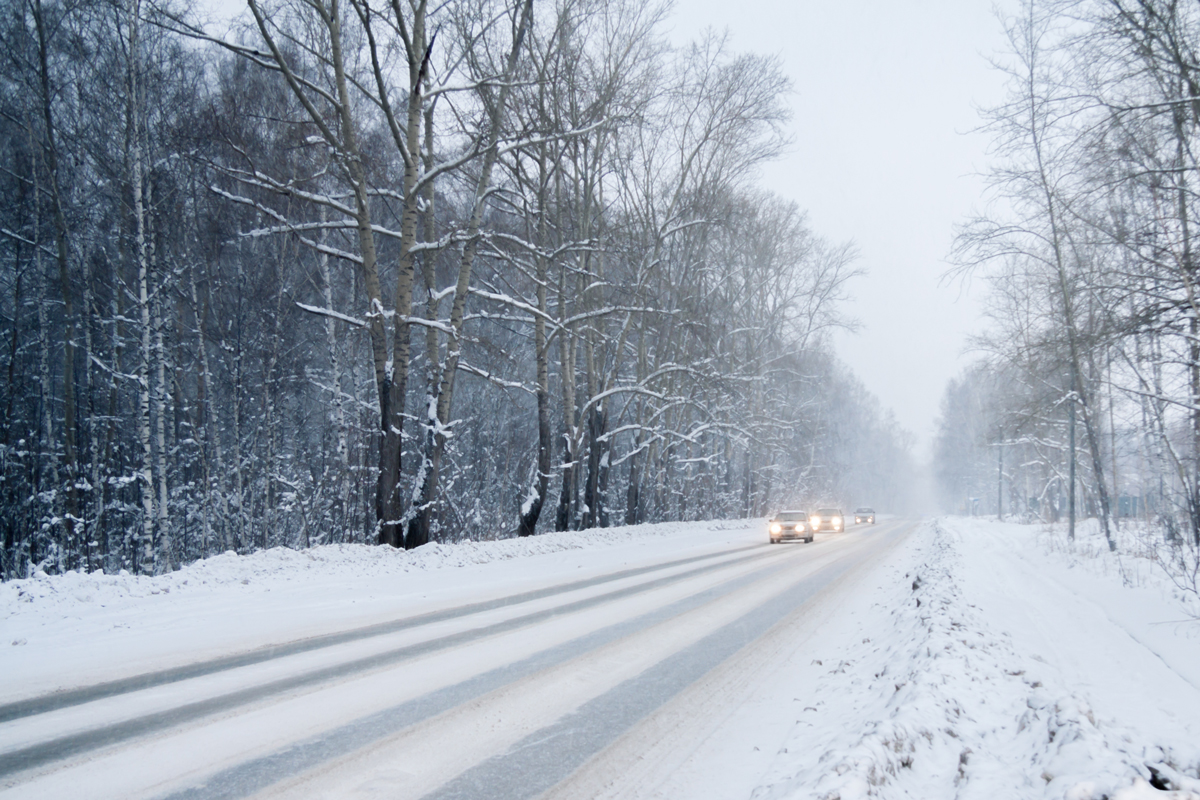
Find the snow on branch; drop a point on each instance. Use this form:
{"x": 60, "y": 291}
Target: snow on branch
{"x": 436, "y": 324}
{"x": 327, "y": 312}
{"x": 320, "y": 247}
{"x": 498, "y": 381}
{"x": 515, "y": 303}
{"x": 287, "y": 189}
{"x": 30, "y": 242}
{"x": 554, "y": 137}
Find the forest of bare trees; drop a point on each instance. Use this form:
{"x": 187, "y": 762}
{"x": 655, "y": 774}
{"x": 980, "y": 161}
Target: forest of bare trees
{"x": 1088, "y": 401}
{"x": 386, "y": 271}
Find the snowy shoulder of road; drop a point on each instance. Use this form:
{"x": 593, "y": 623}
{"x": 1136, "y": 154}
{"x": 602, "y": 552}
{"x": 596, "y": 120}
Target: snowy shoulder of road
{"x": 60, "y": 631}
{"x": 992, "y": 660}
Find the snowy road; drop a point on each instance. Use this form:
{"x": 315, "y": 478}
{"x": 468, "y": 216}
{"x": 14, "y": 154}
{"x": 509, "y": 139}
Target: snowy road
{"x": 500, "y": 691}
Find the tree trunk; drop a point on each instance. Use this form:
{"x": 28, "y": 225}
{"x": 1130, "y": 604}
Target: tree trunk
{"x": 137, "y": 180}
{"x": 50, "y": 151}
{"x": 531, "y": 507}
{"x": 389, "y": 504}
{"x": 597, "y": 477}
{"x": 341, "y": 523}
{"x": 436, "y": 435}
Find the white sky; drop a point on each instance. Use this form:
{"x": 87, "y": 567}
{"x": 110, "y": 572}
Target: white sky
{"x": 884, "y": 155}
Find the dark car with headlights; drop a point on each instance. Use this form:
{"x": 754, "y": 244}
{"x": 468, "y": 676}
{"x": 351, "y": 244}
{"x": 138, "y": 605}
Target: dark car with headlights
{"x": 864, "y": 515}
{"x": 827, "y": 519}
{"x": 789, "y": 525}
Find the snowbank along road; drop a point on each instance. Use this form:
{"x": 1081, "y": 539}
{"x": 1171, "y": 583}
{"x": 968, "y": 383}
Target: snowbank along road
{"x": 494, "y": 686}
{"x": 984, "y": 661}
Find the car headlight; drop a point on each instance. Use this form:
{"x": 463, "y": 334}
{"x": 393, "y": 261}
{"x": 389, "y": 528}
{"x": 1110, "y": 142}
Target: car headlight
{"x": 776, "y": 528}
{"x": 799, "y": 526}
{"x": 815, "y": 521}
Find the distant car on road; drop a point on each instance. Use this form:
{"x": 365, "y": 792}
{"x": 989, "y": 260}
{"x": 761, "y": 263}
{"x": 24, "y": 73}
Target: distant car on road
{"x": 827, "y": 519}
{"x": 789, "y": 525}
{"x": 864, "y": 515}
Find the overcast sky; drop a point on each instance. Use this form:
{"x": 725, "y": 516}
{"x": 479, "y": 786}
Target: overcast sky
{"x": 885, "y": 103}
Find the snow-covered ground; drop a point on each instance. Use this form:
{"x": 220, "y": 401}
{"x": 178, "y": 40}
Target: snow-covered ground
{"x": 991, "y": 660}
{"x": 965, "y": 658}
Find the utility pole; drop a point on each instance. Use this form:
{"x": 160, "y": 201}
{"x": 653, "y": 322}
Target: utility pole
{"x": 1071, "y": 490}
{"x": 1000, "y": 477}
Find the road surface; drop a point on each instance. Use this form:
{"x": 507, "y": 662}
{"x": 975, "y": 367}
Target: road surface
{"x": 574, "y": 689}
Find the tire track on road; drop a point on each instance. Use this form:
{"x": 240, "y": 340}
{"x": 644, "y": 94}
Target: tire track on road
{"x": 72, "y": 697}
{"x": 548, "y": 756}
{"x": 254, "y": 776}
{"x": 62, "y": 748}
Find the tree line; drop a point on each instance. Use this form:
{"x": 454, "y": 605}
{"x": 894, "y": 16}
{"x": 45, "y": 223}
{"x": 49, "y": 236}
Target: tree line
{"x": 386, "y": 271}
{"x": 1087, "y": 402}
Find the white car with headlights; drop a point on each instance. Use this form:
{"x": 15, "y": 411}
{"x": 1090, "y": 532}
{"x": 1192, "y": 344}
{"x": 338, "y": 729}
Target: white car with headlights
{"x": 789, "y": 525}
{"x": 828, "y": 519}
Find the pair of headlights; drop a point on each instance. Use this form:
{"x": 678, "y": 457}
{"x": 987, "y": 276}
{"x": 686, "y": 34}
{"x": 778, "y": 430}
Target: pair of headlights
{"x": 777, "y": 528}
